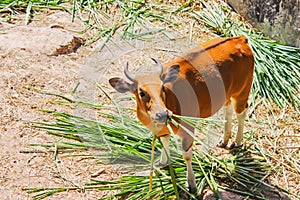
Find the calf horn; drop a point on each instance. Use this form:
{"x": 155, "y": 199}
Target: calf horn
{"x": 128, "y": 74}
{"x": 159, "y": 65}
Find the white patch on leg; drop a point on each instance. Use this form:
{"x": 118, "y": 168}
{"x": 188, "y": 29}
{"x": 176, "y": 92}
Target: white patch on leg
{"x": 187, "y": 156}
{"x": 228, "y": 111}
{"x": 241, "y": 119}
{"x": 165, "y": 151}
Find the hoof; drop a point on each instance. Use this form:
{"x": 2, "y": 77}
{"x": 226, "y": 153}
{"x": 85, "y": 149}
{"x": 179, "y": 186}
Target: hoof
{"x": 192, "y": 190}
{"x": 234, "y": 146}
{"x": 183, "y": 195}
{"x": 187, "y": 195}
{"x": 159, "y": 165}
{"x": 222, "y": 144}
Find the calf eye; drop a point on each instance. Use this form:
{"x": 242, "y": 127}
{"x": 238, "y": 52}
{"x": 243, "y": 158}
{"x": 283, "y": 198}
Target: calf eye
{"x": 144, "y": 96}
{"x": 142, "y": 93}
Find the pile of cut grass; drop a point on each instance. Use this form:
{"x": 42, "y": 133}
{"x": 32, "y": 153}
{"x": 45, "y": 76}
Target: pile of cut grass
{"x": 131, "y": 19}
{"x": 124, "y": 141}
{"x": 10, "y": 8}
{"x": 13, "y": 6}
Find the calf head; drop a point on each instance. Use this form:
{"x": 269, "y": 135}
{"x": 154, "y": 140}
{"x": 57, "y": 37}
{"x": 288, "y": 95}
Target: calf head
{"x": 150, "y": 93}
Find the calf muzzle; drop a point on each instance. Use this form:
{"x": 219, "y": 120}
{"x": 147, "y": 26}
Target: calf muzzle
{"x": 162, "y": 117}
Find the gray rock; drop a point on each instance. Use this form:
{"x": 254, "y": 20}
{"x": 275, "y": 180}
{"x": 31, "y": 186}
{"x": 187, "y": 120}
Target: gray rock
{"x": 278, "y": 19}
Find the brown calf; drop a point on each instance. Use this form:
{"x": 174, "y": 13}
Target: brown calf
{"x": 197, "y": 84}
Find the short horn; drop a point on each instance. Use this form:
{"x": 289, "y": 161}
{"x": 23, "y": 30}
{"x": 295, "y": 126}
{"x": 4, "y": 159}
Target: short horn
{"x": 127, "y": 73}
{"x": 159, "y": 65}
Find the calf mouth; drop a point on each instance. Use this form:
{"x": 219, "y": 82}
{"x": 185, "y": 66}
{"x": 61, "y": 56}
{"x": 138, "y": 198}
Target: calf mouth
{"x": 163, "y": 117}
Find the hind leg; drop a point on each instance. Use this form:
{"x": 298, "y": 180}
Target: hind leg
{"x": 241, "y": 119}
{"x": 228, "y": 111}
{"x": 240, "y": 108}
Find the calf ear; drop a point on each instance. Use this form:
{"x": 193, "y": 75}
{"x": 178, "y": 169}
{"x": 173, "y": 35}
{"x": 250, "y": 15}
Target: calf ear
{"x": 121, "y": 85}
{"x": 171, "y": 74}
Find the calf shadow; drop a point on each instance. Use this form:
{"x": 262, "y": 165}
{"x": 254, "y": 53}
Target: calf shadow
{"x": 250, "y": 178}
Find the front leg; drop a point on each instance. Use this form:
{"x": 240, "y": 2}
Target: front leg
{"x": 165, "y": 151}
{"x": 187, "y": 154}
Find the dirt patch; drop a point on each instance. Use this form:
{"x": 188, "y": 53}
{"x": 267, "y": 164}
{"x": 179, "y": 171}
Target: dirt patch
{"x": 28, "y": 61}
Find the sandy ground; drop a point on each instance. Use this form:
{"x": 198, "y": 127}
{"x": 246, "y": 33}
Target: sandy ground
{"x": 44, "y": 55}
{"x": 28, "y": 59}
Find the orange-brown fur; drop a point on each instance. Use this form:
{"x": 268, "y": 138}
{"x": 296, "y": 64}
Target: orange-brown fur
{"x": 235, "y": 63}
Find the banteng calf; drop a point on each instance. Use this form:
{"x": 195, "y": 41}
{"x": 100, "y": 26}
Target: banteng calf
{"x": 197, "y": 84}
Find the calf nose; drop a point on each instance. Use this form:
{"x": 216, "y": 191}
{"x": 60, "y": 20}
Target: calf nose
{"x": 162, "y": 116}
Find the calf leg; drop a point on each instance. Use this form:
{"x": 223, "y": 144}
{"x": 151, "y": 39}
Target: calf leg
{"x": 187, "y": 154}
{"x": 228, "y": 111}
{"x": 239, "y": 136}
{"x": 241, "y": 110}
{"x": 165, "y": 152}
